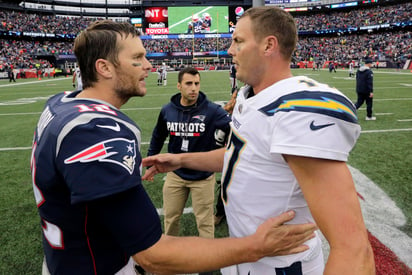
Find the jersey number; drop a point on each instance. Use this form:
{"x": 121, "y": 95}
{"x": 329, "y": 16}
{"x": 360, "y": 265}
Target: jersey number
{"x": 235, "y": 147}
{"x": 51, "y": 232}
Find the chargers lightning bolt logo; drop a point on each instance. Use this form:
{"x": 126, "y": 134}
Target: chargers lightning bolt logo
{"x": 325, "y": 103}
{"x": 119, "y": 151}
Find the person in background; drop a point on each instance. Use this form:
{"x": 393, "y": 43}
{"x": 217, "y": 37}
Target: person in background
{"x": 159, "y": 75}
{"x": 351, "y": 73}
{"x": 364, "y": 88}
{"x": 77, "y": 79}
{"x": 289, "y": 143}
{"x": 86, "y": 173}
{"x": 193, "y": 124}
{"x": 164, "y": 74}
{"x": 233, "y": 80}
{"x": 332, "y": 67}
{"x": 10, "y": 74}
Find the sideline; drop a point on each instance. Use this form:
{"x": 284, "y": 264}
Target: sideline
{"x": 32, "y": 82}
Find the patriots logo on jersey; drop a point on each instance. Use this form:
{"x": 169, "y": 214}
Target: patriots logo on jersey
{"x": 199, "y": 117}
{"x": 119, "y": 151}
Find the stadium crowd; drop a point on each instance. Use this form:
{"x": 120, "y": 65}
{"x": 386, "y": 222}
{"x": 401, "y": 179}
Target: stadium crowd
{"x": 355, "y": 18}
{"x": 30, "y": 22}
{"x": 392, "y": 46}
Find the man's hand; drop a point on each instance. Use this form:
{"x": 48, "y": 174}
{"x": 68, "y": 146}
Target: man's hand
{"x": 274, "y": 238}
{"x": 231, "y": 103}
{"x": 160, "y": 163}
{"x": 74, "y": 85}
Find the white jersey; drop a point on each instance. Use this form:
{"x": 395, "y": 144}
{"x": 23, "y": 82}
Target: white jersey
{"x": 78, "y": 78}
{"x": 164, "y": 72}
{"x": 296, "y": 116}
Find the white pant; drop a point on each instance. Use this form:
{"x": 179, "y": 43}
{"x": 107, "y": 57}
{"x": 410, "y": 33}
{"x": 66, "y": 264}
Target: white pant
{"x": 313, "y": 267}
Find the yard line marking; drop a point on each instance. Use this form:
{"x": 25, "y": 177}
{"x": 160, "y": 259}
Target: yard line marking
{"x": 38, "y": 113}
{"x": 30, "y": 82}
{"x": 15, "y": 149}
{"x": 392, "y": 99}
{"x": 384, "y": 114}
{"x": 20, "y": 114}
{"x": 388, "y": 130}
{"x": 405, "y": 120}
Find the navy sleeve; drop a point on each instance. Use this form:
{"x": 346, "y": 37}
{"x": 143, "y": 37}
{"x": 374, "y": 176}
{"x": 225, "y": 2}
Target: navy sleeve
{"x": 370, "y": 82}
{"x": 130, "y": 217}
{"x": 222, "y": 120}
{"x": 159, "y": 135}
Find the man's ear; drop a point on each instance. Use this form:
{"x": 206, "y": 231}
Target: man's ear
{"x": 271, "y": 44}
{"x": 104, "y": 68}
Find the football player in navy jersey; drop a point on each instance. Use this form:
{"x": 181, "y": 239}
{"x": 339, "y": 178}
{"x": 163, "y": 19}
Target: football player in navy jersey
{"x": 86, "y": 171}
{"x": 207, "y": 22}
{"x": 196, "y": 25}
{"x": 290, "y": 139}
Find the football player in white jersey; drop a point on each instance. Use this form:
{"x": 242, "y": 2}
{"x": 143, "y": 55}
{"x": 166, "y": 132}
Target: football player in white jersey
{"x": 77, "y": 79}
{"x": 291, "y": 137}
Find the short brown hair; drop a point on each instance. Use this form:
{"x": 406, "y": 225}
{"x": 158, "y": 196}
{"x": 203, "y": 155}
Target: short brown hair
{"x": 274, "y": 21}
{"x": 99, "y": 40}
{"x": 187, "y": 70}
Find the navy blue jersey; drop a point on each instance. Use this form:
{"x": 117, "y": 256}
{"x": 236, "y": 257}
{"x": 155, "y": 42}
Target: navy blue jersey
{"x": 86, "y": 171}
{"x": 196, "y": 128}
{"x": 195, "y": 27}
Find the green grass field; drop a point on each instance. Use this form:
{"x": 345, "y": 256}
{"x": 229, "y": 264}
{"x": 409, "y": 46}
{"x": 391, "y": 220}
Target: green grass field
{"x": 383, "y": 151}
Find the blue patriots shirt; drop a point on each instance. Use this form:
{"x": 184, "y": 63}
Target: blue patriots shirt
{"x": 198, "y": 126}
{"x": 86, "y": 174}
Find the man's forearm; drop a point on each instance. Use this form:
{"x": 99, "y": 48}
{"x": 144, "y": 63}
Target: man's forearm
{"x": 211, "y": 161}
{"x": 197, "y": 254}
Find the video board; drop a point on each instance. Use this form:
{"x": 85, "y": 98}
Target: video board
{"x": 198, "y": 19}
{"x": 192, "y": 20}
